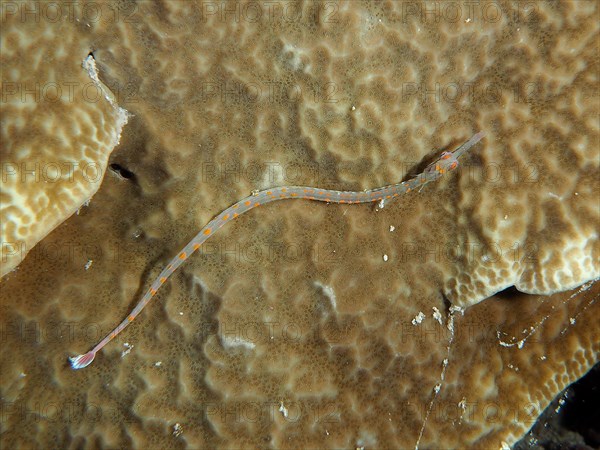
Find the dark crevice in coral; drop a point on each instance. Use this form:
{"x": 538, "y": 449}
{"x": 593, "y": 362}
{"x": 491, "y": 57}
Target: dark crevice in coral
{"x": 571, "y": 420}
{"x": 122, "y": 171}
{"x": 510, "y": 293}
{"x": 447, "y": 305}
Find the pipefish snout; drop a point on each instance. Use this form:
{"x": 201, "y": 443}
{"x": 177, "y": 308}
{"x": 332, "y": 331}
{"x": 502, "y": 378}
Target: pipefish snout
{"x": 447, "y": 162}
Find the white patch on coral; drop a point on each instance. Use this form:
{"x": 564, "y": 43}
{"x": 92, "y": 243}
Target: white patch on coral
{"x": 283, "y": 410}
{"x": 459, "y": 309}
{"x": 437, "y": 315}
{"x": 462, "y": 405}
{"x": 177, "y": 430}
{"x": 329, "y": 293}
{"x": 236, "y": 341}
{"x": 418, "y": 318}
{"x": 128, "y": 347}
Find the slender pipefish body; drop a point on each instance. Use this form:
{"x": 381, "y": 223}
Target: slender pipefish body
{"x": 447, "y": 161}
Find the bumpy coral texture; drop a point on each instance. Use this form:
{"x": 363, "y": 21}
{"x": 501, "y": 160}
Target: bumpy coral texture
{"x": 304, "y": 325}
{"x": 58, "y": 129}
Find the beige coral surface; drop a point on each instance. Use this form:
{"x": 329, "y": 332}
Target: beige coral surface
{"x": 302, "y": 324}
{"x": 59, "y": 126}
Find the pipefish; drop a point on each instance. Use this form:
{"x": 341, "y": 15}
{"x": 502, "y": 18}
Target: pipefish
{"x": 446, "y": 162}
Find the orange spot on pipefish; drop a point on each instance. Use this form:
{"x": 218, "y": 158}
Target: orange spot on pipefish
{"x": 196, "y": 246}
{"x": 247, "y": 202}
{"x": 207, "y": 231}
{"x": 182, "y": 255}
{"x": 163, "y": 279}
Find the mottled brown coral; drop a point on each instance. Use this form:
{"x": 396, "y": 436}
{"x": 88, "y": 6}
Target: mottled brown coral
{"x": 291, "y": 329}
{"x": 59, "y": 125}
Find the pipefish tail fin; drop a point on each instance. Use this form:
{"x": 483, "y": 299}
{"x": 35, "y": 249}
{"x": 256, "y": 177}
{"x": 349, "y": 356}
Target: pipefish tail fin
{"x": 81, "y": 361}
{"x": 467, "y": 145}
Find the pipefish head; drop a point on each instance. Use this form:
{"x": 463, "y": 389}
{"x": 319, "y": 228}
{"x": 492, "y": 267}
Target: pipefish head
{"x": 449, "y": 160}
{"x": 445, "y": 163}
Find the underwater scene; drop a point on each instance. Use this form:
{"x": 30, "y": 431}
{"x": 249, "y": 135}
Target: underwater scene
{"x": 300, "y": 224}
